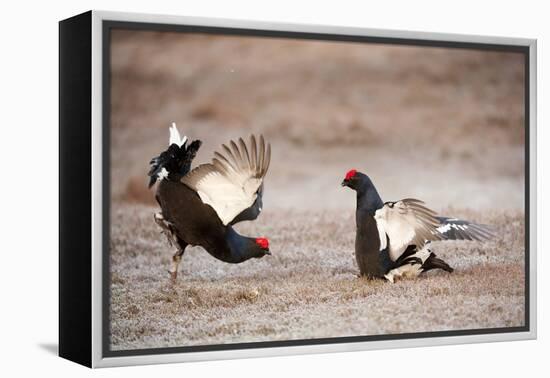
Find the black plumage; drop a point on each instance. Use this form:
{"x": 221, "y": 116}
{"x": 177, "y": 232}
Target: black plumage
{"x": 175, "y": 160}
{"x": 371, "y": 262}
{"x": 195, "y": 223}
{"x": 434, "y": 262}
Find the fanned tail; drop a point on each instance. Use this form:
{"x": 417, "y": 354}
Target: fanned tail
{"x": 175, "y": 161}
{"x": 434, "y": 262}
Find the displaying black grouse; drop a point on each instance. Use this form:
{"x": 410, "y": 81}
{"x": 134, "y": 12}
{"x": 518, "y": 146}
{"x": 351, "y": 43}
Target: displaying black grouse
{"x": 391, "y": 237}
{"x": 200, "y": 206}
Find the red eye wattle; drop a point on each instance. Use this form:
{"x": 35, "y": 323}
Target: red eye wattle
{"x": 263, "y": 243}
{"x": 350, "y": 174}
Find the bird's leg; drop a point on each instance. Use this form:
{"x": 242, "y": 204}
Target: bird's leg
{"x": 166, "y": 230}
{"x": 394, "y": 274}
{"x": 408, "y": 270}
{"x": 174, "y": 240}
{"x": 176, "y": 258}
{"x": 389, "y": 276}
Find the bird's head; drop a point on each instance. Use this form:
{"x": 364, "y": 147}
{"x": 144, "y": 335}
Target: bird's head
{"x": 261, "y": 247}
{"x": 355, "y": 180}
{"x": 368, "y": 198}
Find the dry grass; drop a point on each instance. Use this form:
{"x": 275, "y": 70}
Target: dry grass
{"x": 307, "y": 289}
{"x": 442, "y": 125}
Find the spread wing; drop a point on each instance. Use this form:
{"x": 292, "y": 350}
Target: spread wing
{"x": 459, "y": 229}
{"x": 406, "y": 222}
{"x": 233, "y": 181}
{"x": 253, "y": 211}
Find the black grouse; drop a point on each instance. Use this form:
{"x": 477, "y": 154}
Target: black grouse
{"x": 200, "y": 206}
{"x": 391, "y": 237}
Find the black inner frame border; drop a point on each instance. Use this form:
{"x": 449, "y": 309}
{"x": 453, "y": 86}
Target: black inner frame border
{"x": 108, "y": 25}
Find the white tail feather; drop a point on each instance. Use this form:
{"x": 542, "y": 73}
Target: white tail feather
{"x": 175, "y": 137}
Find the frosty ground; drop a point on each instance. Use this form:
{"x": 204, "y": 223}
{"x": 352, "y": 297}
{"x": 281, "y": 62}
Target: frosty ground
{"x": 308, "y": 288}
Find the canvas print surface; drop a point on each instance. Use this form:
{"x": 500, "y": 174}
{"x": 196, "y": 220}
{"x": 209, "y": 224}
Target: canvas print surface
{"x": 317, "y": 254}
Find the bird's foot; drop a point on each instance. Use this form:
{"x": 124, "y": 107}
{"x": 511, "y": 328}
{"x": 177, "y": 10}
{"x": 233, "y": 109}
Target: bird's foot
{"x": 393, "y": 275}
{"x": 176, "y": 259}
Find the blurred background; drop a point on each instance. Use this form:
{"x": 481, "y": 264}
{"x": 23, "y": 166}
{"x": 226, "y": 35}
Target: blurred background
{"x": 443, "y": 125}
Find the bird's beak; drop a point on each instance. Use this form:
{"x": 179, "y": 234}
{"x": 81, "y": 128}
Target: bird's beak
{"x": 267, "y": 252}
{"x": 345, "y": 183}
